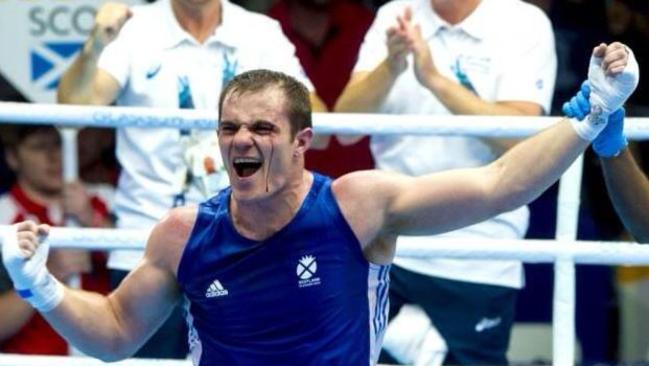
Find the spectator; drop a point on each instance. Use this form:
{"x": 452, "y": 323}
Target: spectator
{"x": 327, "y": 35}
{"x": 456, "y": 57}
{"x": 33, "y": 153}
{"x": 97, "y": 163}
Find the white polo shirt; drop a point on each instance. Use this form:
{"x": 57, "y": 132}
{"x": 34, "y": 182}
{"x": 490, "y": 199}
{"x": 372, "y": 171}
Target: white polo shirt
{"x": 153, "y": 59}
{"x": 504, "y": 51}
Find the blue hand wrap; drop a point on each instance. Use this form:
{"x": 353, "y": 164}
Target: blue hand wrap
{"x": 611, "y": 140}
{"x": 578, "y": 106}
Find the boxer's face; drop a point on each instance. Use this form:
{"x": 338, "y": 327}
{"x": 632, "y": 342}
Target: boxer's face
{"x": 260, "y": 153}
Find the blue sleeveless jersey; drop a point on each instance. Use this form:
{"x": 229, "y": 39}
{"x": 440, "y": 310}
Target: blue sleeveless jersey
{"x": 304, "y": 296}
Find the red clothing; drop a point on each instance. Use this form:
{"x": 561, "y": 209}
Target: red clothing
{"x": 36, "y": 336}
{"x": 329, "y": 67}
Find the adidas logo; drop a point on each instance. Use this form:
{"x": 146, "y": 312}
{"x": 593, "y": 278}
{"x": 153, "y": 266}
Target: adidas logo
{"x": 216, "y": 290}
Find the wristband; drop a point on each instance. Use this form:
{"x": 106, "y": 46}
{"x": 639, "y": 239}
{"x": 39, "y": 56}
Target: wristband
{"x": 610, "y": 149}
{"x": 30, "y": 277}
{"x": 44, "y": 296}
{"x": 611, "y": 141}
{"x": 589, "y": 128}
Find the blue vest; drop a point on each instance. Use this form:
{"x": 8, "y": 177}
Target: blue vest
{"x": 304, "y": 296}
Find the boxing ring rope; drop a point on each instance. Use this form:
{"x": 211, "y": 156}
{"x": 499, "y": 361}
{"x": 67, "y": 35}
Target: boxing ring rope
{"x": 22, "y": 360}
{"x": 527, "y": 250}
{"x": 375, "y": 124}
{"x": 324, "y": 123}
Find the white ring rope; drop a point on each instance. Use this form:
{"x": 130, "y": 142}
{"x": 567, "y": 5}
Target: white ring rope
{"x": 324, "y": 123}
{"x": 93, "y": 238}
{"x": 530, "y": 251}
{"x": 22, "y": 360}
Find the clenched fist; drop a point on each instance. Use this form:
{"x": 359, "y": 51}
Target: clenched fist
{"x": 109, "y": 20}
{"x": 24, "y": 254}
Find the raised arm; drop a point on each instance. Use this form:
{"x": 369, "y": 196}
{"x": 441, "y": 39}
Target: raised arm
{"x": 394, "y": 205}
{"x": 107, "y": 327}
{"x": 84, "y": 82}
{"x": 366, "y": 90}
{"x": 627, "y": 185}
{"x": 434, "y": 203}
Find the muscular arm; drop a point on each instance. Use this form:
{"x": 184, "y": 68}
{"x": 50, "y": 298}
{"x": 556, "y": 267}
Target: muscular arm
{"x": 379, "y": 204}
{"x": 629, "y": 191}
{"x": 114, "y": 327}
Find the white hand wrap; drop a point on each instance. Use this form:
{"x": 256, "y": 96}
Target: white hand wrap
{"x": 31, "y": 279}
{"x": 591, "y": 126}
{"x": 608, "y": 93}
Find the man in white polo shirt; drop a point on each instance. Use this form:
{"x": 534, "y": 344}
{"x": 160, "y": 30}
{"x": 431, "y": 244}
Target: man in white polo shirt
{"x": 481, "y": 57}
{"x": 170, "y": 54}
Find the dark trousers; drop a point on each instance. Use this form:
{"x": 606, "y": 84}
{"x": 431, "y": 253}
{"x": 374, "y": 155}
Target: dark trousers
{"x": 170, "y": 341}
{"x": 474, "y": 319}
